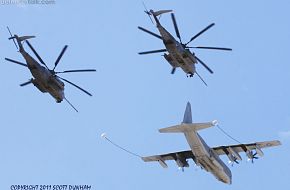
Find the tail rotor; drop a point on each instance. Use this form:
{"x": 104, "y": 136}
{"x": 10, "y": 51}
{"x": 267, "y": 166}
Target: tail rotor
{"x": 12, "y": 38}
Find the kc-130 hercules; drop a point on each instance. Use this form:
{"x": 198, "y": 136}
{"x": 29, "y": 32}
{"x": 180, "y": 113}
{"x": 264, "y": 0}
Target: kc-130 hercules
{"x": 45, "y": 79}
{"x": 179, "y": 54}
{"x": 204, "y": 156}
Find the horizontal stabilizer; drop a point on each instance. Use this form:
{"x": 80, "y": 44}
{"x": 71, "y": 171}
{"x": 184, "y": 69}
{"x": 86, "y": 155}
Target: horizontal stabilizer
{"x": 184, "y": 128}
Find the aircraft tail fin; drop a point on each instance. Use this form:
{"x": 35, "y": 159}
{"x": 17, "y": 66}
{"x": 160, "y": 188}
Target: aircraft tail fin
{"x": 187, "y": 125}
{"x": 187, "y": 118}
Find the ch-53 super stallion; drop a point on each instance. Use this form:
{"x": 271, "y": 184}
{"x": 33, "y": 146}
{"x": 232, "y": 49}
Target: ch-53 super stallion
{"x": 45, "y": 79}
{"x": 179, "y": 54}
{"x": 204, "y": 156}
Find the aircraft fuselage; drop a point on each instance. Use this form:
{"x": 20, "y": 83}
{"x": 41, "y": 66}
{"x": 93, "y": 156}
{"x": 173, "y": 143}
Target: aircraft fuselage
{"x": 178, "y": 56}
{"x": 43, "y": 78}
{"x": 207, "y": 159}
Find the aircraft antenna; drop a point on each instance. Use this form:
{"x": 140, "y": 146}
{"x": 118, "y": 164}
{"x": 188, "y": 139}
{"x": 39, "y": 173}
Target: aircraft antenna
{"x": 118, "y": 146}
{"x": 227, "y": 134}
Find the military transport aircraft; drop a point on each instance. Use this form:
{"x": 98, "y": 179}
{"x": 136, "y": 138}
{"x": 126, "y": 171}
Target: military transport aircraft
{"x": 45, "y": 79}
{"x": 204, "y": 156}
{"x": 178, "y": 52}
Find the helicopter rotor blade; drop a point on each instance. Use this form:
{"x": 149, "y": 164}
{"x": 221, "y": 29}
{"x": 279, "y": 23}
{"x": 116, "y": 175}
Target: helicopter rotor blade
{"x": 26, "y": 83}
{"x": 149, "y": 32}
{"x": 173, "y": 70}
{"x": 17, "y": 62}
{"x": 154, "y": 51}
{"x": 203, "y": 64}
{"x": 213, "y": 48}
{"x": 36, "y": 54}
{"x": 59, "y": 57}
{"x": 75, "y": 71}
{"x": 175, "y": 27}
{"x": 201, "y": 32}
{"x": 75, "y": 86}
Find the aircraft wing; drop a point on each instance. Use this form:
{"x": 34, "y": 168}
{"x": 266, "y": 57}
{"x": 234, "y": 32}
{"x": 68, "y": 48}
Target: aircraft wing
{"x": 220, "y": 150}
{"x": 179, "y": 157}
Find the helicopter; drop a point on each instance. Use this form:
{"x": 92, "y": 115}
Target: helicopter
{"x": 178, "y": 53}
{"x": 45, "y": 80}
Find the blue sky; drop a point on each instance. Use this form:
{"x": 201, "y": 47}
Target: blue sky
{"x": 42, "y": 142}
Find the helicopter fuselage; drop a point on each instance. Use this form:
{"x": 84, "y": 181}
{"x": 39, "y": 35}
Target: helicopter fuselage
{"x": 43, "y": 79}
{"x": 177, "y": 55}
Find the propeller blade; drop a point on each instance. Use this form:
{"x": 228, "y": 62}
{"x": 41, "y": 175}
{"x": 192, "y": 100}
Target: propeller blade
{"x": 17, "y": 62}
{"x": 59, "y": 57}
{"x": 12, "y": 37}
{"x": 201, "y": 62}
{"x": 173, "y": 70}
{"x": 214, "y": 48}
{"x": 26, "y": 83}
{"x": 198, "y": 34}
{"x": 75, "y": 86}
{"x": 175, "y": 27}
{"x": 149, "y": 32}
{"x": 154, "y": 51}
{"x": 74, "y": 71}
{"x": 36, "y": 54}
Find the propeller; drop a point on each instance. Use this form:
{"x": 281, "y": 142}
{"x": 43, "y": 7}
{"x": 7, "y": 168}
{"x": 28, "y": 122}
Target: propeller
{"x": 154, "y": 51}
{"x": 173, "y": 70}
{"x": 12, "y": 38}
{"x": 17, "y": 62}
{"x": 67, "y": 71}
{"x": 75, "y": 85}
{"x": 59, "y": 57}
{"x": 36, "y": 54}
{"x": 253, "y": 157}
{"x": 203, "y": 64}
{"x": 214, "y": 48}
{"x": 147, "y": 12}
{"x": 234, "y": 161}
{"x": 201, "y": 32}
{"x": 181, "y": 169}
{"x": 149, "y": 32}
{"x": 176, "y": 27}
